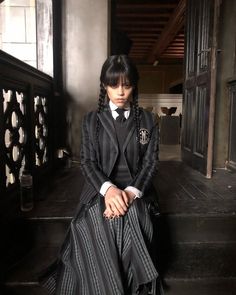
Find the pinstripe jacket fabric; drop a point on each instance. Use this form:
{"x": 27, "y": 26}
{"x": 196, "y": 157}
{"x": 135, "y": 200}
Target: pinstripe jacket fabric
{"x": 98, "y": 157}
{"x": 110, "y": 256}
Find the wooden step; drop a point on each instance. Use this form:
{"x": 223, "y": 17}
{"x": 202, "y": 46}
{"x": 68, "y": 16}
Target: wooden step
{"x": 180, "y": 261}
{"x": 201, "y": 286}
{"x": 199, "y": 228}
{"x": 198, "y": 286}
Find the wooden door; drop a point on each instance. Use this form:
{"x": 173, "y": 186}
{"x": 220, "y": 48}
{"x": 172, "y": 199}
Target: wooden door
{"x": 200, "y": 79}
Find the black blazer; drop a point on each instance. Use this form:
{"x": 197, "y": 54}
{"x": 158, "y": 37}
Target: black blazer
{"x": 99, "y": 158}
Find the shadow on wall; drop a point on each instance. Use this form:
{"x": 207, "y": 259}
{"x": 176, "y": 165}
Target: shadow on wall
{"x": 74, "y": 116}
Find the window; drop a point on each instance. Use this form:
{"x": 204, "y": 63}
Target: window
{"x": 26, "y": 32}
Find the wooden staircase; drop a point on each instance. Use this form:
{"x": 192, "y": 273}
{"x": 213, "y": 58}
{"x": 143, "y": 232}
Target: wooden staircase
{"x": 196, "y": 232}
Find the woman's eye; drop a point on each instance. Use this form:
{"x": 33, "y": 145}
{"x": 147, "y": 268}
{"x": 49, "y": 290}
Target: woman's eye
{"x": 127, "y": 86}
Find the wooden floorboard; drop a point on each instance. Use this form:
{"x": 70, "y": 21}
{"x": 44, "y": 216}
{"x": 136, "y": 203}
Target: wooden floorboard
{"x": 182, "y": 189}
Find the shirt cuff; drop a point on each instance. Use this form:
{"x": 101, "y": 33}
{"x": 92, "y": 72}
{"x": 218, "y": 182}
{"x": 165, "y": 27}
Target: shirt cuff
{"x": 137, "y": 192}
{"x": 105, "y": 186}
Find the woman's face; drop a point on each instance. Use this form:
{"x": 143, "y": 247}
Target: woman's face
{"x": 120, "y": 93}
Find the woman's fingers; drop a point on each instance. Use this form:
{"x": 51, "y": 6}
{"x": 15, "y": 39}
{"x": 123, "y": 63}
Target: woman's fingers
{"x": 125, "y": 198}
{"x": 114, "y": 209}
{"x": 114, "y": 199}
{"x": 108, "y": 213}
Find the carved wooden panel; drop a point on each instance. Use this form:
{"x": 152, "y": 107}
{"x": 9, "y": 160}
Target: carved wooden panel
{"x": 41, "y": 129}
{"x": 26, "y": 99}
{"x": 204, "y": 28}
{"x": 200, "y": 111}
{"x": 198, "y": 79}
{"x": 188, "y": 117}
{"x": 15, "y": 134}
{"x": 190, "y": 38}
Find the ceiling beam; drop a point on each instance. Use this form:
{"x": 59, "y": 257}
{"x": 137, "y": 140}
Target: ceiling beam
{"x": 172, "y": 55}
{"x": 141, "y": 22}
{"x": 172, "y": 28}
{"x": 146, "y": 6}
{"x": 142, "y": 29}
{"x": 142, "y": 34}
{"x": 143, "y": 15}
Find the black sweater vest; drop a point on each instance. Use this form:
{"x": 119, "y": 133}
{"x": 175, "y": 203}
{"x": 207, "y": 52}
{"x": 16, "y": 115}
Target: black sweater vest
{"x": 120, "y": 175}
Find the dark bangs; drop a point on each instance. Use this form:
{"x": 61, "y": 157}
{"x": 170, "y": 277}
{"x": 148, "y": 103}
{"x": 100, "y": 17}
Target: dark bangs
{"x": 116, "y": 67}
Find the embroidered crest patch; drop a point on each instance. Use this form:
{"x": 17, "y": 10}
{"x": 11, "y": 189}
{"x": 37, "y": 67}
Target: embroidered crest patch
{"x": 144, "y": 136}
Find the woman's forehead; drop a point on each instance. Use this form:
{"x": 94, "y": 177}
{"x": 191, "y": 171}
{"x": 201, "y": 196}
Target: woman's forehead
{"x": 123, "y": 79}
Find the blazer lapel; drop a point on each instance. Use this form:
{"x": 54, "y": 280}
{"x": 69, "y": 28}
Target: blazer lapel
{"x": 131, "y": 126}
{"x": 106, "y": 120}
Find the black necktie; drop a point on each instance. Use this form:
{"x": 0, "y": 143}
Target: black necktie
{"x": 121, "y": 118}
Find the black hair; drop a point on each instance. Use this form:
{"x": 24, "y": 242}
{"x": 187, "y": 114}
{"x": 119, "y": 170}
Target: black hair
{"x": 114, "y": 68}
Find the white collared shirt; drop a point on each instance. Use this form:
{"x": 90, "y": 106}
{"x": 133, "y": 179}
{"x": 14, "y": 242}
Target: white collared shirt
{"x": 107, "y": 184}
{"x": 114, "y": 113}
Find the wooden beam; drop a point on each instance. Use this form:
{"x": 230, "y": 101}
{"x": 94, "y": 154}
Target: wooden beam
{"x": 138, "y": 44}
{"x": 141, "y": 29}
{"x": 135, "y": 22}
{"x": 138, "y": 39}
{"x": 170, "y": 31}
{"x": 146, "y": 6}
{"x": 176, "y": 45}
{"x": 172, "y": 56}
{"x": 172, "y": 48}
{"x": 142, "y": 34}
{"x": 174, "y": 25}
{"x": 143, "y": 15}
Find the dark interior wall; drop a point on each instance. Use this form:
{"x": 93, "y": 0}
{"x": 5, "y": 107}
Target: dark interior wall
{"x": 159, "y": 79}
{"x": 85, "y": 47}
{"x": 225, "y": 70}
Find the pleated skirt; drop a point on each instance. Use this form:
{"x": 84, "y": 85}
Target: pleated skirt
{"x": 106, "y": 256}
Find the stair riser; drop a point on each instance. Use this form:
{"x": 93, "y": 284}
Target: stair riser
{"x": 172, "y": 287}
{"x": 177, "y": 228}
{"x": 173, "y": 228}
{"x": 23, "y": 290}
{"x": 49, "y": 232}
{"x": 209, "y": 286}
{"x": 197, "y": 260}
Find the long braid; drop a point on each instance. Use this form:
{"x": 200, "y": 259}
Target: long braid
{"x": 137, "y": 121}
{"x": 101, "y": 103}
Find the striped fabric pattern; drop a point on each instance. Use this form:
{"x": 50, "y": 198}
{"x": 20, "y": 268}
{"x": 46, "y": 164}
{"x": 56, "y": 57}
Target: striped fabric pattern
{"x": 98, "y": 160}
{"x": 110, "y": 257}
{"x": 107, "y": 257}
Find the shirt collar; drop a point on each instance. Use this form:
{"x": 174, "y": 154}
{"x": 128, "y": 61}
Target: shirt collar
{"x": 113, "y": 107}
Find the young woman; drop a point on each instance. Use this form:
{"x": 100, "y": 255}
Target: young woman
{"x": 107, "y": 250}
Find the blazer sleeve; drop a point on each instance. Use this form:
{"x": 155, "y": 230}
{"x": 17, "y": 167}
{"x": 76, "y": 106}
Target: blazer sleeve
{"x": 89, "y": 161}
{"x": 149, "y": 162}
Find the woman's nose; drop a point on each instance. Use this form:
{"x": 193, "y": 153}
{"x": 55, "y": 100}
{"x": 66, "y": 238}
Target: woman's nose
{"x": 120, "y": 90}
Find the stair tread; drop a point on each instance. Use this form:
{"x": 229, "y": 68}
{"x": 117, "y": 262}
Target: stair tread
{"x": 29, "y": 268}
{"x": 183, "y": 190}
{"x": 185, "y": 260}
{"x": 189, "y": 194}
{"x": 62, "y": 199}
{"x": 192, "y": 260}
{"x": 203, "y": 286}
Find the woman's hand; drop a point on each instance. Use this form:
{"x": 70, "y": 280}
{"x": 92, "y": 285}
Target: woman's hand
{"x": 131, "y": 196}
{"x": 116, "y": 201}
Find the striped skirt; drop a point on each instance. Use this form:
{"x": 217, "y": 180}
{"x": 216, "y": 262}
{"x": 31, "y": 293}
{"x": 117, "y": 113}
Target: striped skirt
{"x": 106, "y": 256}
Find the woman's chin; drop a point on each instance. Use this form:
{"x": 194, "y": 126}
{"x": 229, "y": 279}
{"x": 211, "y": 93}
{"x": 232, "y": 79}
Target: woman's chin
{"x": 121, "y": 104}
